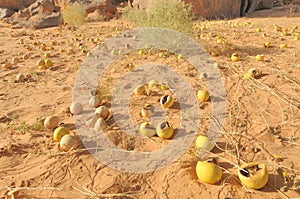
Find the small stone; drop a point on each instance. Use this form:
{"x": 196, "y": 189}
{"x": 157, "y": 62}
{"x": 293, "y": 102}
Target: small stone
{"x": 26, "y": 56}
{"x": 283, "y": 189}
{"x": 28, "y": 76}
{"x": 255, "y": 150}
{"x": 203, "y": 75}
{"x": 20, "y": 78}
{"x": 5, "y": 12}
{"x": 278, "y": 137}
{"x": 15, "y": 60}
{"x": 43, "y": 20}
{"x": 7, "y": 65}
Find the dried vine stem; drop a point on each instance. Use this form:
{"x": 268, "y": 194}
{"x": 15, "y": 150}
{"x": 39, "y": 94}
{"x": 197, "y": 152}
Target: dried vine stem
{"x": 87, "y": 192}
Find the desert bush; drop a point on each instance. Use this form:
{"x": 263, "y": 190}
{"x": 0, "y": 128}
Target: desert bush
{"x": 74, "y": 14}
{"x": 172, "y": 14}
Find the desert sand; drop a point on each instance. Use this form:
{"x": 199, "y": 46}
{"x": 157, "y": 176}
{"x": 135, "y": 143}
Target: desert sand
{"x": 262, "y": 119}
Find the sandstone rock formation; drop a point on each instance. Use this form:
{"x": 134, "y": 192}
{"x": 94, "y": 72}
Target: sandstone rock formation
{"x": 46, "y": 13}
{"x": 40, "y": 14}
{"x": 140, "y": 4}
{"x": 249, "y": 6}
{"x": 6, "y": 12}
{"x": 203, "y": 8}
{"x": 296, "y": 1}
{"x": 12, "y": 4}
{"x": 216, "y": 8}
{"x": 44, "y": 6}
{"x": 15, "y": 4}
{"x": 43, "y": 20}
{"x": 98, "y": 7}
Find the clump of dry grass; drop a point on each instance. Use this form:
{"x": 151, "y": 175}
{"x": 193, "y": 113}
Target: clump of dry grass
{"x": 173, "y": 14}
{"x": 74, "y": 14}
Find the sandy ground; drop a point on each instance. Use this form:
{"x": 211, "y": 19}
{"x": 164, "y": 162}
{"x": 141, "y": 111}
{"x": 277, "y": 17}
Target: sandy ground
{"x": 262, "y": 121}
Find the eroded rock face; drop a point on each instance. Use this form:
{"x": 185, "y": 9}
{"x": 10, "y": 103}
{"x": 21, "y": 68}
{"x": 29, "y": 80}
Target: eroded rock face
{"x": 266, "y": 4}
{"x": 12, "y": 4}
{"x": 140, "y": 4}
{"x": 46, "y": 13}
{"x": 95, "y": 16}
{"x": 40, "y": 14}
{"x": 15, "y": 4}
{"x": 6, "y": 12}
{"x": 249, "y": 6}
{"x": 92, "y": 5}
{"x": 211, "y": 9}
{"x": 102, "y": 8}
{"x": 28, "y": 2}
{"x": 203, "y": 8}
{"x": 43, "y": 6}
{"x": 216, "y": 8}
{"x": 44, "y": 20}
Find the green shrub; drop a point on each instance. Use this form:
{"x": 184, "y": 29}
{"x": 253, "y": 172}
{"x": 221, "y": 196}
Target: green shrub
{"x": 172, "y": 14}
{"x": 74, "y": 14}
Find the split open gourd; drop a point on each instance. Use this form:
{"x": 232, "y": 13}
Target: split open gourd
{"x": 267, "y": 44}
{"x": 166, "y": 101}
{"x": 235, "y": 57}
{"x": 147, "y": 111}
{"x": 140, "y": 90}
{"x": 252, "y": 73}
{"x": 164, "y": 130}
{"x": 208, "y": 172}
{"x": 253, "y": 175}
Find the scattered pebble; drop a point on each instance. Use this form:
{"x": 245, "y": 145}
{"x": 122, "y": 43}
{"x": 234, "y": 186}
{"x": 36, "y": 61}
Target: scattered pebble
{"x": 203, "y": 75}
{"x": 15, "y": 60}
{"x": 7, "y": 66}
{"x": 20, "y": 77}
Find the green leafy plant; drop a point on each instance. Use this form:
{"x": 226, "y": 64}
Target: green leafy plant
{"x": 23, "y": 127}
{"x": 38, "y": 125}
{"x": 173, "y": 14}
{"x": 12, "y": 123}
{"x": 74, "y": 14}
